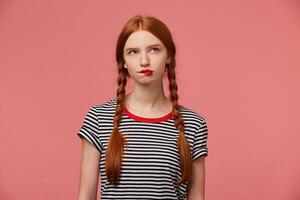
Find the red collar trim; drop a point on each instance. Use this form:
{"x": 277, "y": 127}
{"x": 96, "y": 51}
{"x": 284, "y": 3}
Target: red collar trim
{"x": 144, "y": 119}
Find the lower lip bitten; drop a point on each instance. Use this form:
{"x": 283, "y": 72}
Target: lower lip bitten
{"x": 147, "y": 73}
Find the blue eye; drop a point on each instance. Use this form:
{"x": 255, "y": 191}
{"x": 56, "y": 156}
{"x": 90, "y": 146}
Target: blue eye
{"x": 131, "y": 51}
{"x": 157, "y": 49}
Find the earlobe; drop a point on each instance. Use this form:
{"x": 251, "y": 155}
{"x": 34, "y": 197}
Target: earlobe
{"x": 168, "y": 60}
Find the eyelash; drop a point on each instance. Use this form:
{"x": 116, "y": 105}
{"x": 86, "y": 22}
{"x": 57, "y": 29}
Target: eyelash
{"x": 151, "y": 49}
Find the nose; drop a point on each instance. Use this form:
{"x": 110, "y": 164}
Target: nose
{"x": 144, "y": 60}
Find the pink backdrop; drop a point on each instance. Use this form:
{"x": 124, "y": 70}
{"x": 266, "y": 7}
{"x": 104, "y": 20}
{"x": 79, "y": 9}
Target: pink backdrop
{"x": 238, "y": 66}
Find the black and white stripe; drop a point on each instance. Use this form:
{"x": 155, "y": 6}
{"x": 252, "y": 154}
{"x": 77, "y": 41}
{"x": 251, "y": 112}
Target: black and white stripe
{"x": 150, "y": 166}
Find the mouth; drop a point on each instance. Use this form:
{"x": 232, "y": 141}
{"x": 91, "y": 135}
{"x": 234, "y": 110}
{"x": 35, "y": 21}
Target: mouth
{"x": 146, "y": 71}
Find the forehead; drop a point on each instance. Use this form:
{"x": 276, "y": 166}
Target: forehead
{"x": 141, "y": 39}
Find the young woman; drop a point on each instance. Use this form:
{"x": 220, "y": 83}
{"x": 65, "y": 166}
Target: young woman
{"x": 144, "y": 145}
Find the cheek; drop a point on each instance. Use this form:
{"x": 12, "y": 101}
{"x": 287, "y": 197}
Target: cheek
{"x": 131, "y": 61}
{"x": 160, "y": 63}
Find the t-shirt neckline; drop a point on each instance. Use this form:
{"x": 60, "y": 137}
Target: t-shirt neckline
{"x": 146, "y": 119}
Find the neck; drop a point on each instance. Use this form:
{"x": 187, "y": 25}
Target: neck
{"x": 147, "y": 97}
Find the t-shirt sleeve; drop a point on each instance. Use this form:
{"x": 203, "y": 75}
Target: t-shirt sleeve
{"x": 200, "y": 141}
{"x": 90, "y": 128}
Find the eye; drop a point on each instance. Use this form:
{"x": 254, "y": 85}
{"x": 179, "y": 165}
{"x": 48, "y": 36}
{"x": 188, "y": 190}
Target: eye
{"x": 130, "y": 52}
{"x": 157, "y": 49}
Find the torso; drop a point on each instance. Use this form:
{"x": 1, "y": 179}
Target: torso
{"x": 151, "y": 165}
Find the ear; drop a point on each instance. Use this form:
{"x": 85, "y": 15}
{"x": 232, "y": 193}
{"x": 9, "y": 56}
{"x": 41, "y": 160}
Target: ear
{"x": 125, "y": 66}
{"x": 168, "y": 60}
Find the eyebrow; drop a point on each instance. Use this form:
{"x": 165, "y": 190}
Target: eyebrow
{"x": 152, "y": 45}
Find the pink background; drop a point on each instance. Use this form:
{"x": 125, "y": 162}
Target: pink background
{"x": 238, "y": 66}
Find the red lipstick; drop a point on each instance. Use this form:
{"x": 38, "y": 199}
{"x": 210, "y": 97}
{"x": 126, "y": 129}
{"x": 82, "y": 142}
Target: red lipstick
{"x": 146, "y": 71}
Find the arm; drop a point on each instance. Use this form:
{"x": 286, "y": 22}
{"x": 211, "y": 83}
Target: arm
{"x": 197, "y": 182}
{"x": 89, "y": 172}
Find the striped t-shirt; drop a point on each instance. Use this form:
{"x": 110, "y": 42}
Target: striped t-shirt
{"x": 151, "y": 164}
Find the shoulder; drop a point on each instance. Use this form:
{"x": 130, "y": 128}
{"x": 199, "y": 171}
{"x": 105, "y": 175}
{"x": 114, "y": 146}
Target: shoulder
{"x": 108, "y": 104}
{"x": 105, "y": 109}
{"x": 191, "y": 116}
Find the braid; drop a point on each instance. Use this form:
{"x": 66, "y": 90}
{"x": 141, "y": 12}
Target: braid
{"x": 117, "y": 142}
{"x": 182, "y": 144}
{"x": 122, "y": 81}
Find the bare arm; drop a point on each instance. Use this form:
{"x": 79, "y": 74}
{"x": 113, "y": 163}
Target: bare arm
{"x": 89, "y": 172}
{"x": 197, "y": 182}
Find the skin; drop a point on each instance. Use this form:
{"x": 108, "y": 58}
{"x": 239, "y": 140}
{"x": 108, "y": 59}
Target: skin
{"x": 148, "y": 100}
{"x": 196, "y": 190}
{"x": 89, "y": 172}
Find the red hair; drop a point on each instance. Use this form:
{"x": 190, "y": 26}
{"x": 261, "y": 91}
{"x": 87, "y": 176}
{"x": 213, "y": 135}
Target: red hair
{"x": 117, "y": 142}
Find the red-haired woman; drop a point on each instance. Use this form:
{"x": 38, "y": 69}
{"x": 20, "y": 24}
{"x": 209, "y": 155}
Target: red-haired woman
{"x": 143, "y": 144}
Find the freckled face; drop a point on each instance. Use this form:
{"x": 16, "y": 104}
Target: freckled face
{"x": 143, "y": 50}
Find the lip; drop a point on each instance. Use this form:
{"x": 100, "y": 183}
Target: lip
{"x": 146, "y": 71}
